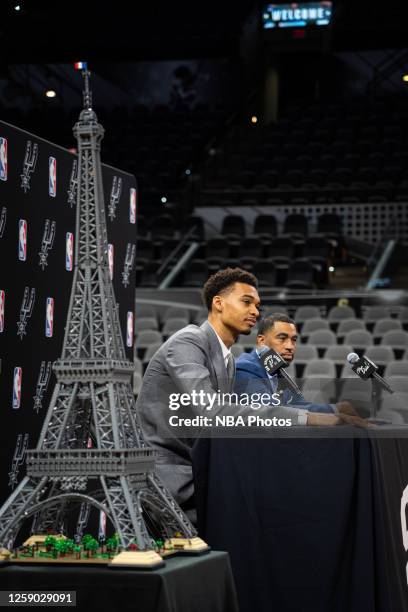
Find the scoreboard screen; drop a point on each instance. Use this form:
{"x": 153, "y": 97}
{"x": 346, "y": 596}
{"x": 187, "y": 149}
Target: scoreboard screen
{"x": 296, "y": 15}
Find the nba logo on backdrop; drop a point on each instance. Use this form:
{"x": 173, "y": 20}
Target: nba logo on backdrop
{"x": 52, "y": 182}
{"x": 129, "y": 329}
{"x": 18, "y": 374}
{"x": 69, "y": 251}
{"x": 3, "y": 159}
{"x": 111, "y": 251}
{"x": 49, "y": 317}
{"x": 22, "y": 240}
{"x": 2, "y": 304}
{"x": 132, "y": 206}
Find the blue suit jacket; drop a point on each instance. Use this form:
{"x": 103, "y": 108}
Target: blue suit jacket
{"x": 251, "y": 377}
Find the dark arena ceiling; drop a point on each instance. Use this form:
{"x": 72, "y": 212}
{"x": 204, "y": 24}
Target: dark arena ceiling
{"x": 58, "y": 31}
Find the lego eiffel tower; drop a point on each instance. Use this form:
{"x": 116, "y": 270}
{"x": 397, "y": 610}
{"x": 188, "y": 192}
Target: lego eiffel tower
{"x": 92, "y": 398}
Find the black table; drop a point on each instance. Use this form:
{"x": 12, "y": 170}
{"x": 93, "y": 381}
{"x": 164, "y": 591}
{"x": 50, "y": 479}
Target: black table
{"x": 185, "y": 584}
{"x": 311, "y": 525}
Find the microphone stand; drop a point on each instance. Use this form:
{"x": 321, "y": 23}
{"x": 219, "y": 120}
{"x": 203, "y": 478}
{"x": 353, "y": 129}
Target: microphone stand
{"x": 375, "y": 398}
{"x": 376, "y": 390}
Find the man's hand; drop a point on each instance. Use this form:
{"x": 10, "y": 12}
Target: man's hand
{"x": 346, "y": 408}
{"x": 322, "y": 418}
{"x": 355, "y": 420}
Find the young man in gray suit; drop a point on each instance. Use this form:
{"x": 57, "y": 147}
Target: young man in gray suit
{"x": 198, "y": 359}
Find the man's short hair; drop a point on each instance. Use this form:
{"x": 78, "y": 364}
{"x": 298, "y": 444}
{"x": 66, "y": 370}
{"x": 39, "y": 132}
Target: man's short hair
{"x": 222, "y": 280}
{"x": 269, "y": 321}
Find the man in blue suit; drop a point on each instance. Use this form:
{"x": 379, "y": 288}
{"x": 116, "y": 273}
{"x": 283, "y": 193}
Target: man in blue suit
{"x": 278, "y": 332}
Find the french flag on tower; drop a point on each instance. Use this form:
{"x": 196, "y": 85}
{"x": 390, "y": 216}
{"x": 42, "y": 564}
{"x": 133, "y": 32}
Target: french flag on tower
{"x": 81, "y": 65}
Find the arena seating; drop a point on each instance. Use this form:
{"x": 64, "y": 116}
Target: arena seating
{"x": 320, "y": 364}
{"x": 296, "y": 259}
{"x": 351, "y": 151}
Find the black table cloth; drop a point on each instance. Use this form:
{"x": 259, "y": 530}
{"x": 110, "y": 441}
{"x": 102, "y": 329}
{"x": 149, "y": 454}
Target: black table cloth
{"x": 306, "y": 521}
{"x": 185, "y": 584}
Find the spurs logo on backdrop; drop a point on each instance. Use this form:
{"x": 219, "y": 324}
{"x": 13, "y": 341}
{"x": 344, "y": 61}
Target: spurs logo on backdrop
{"x": 111, "y": 255}
{"x": 132, "y": 205}
{"x": 2, "y": 309}
{"x": 52, "y": 177}
{"x": 102, "y": 525}
{"x": 73, "y": 184}
{"x": 47, "y": 241}
{"x": 18, "y": 459}
{"x": 115, "y": 194}
{"x": 129, "y": 263}
{"x": 84, "y": 513}
{"x": 30, "y": 161}
{"x": 49, "y": 317}
{"x": 22, "y": 239}
{"x": 3, "y": 220}
{"x": 3, "y": 159}
{"x": 26, "y": 311}
{"x": 129, "y": 329}
{"x": 404, "y": 525}
{"x": 69, "y": 251}
{"x": 42, "y": 384}
{"x": 17, "y": 384}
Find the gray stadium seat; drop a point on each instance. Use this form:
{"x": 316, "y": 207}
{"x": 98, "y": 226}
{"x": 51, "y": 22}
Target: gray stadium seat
{"x": 358, "y": 338}
{"x": 339, "y": 313}
{"x": 291, "y": 371}
{"x": 396, "y": 401}
{"x": 273, "y": 309}
{"x": 150, "y": 351}
{"x": 347, "y": 372}
{"x": 357, "y": 391}
{"x": 145, "y": 310}
{"x": 137, "y": 382}
{"x": 174, "y": 312}
{"x": 397, "y": 339}
{"x": 403, "y": 314}
{"x": 320, "y": 368}
{"x": 147, "y": 337}
{"x": 237, "y": 349}
{"x": 138, "y": 365}
{"x": 375, "y": 313}
{"x": 142, "y": 323}
{"x": 172, "y": 325}
{"x": 394, "y": 417}
{"x": 312, "y": 325}
{"x": 319, "y": 389}
{"x": 303, "y": 313}
{"x": 338, "y": 354}
{"x": 305, "y": 353}
{"x": 322, "y": 338}
{"x": 381, "y": 355}
{"x": 200, "y": 316}
{"x": 383, "y": 325}
{"x": 347, "y": 325}
{"x": 399, "y": 384}
{"x": 396, "y": 367}
{"x": 249, "y": 341}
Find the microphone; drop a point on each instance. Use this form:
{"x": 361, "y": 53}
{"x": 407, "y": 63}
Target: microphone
{"x": 365, "y": 369}
{"x": 275, "y": 364}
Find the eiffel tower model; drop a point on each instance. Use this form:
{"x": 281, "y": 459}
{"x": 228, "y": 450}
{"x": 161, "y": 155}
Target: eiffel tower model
{"x": 93, "y": 398}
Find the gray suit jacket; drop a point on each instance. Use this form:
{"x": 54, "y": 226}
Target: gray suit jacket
{"x": 190, "y": 360}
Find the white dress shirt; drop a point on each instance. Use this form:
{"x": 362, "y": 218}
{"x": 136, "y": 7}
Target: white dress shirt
{"x": 225, "y": 350}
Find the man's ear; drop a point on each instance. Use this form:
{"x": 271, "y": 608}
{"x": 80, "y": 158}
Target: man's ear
{"x": 217, "y": 303}
{"x": 260, "y": 340}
